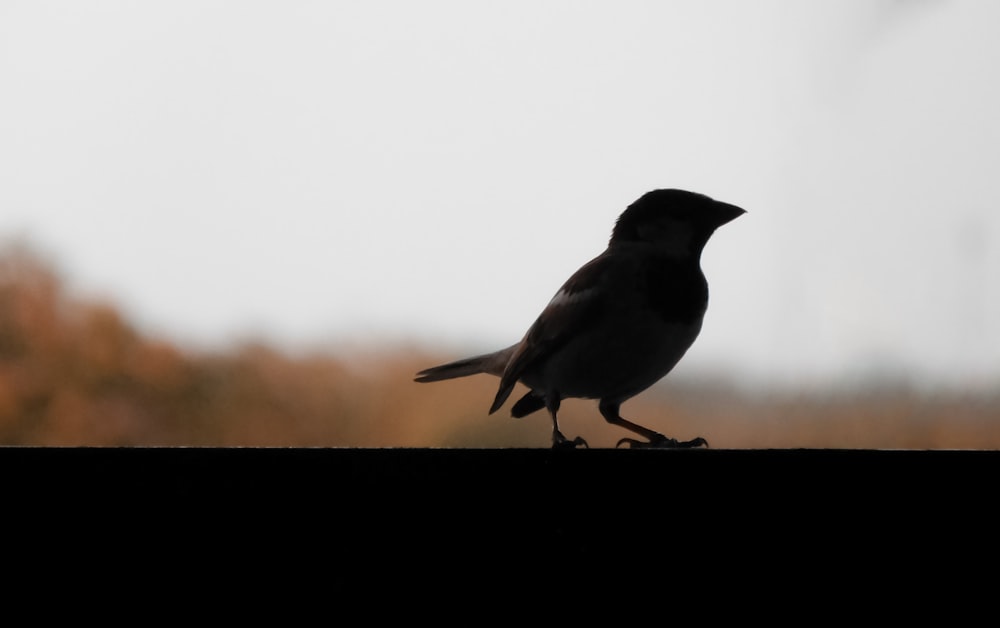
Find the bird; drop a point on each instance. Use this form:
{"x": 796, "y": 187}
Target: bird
{"x": 618, "y": 325}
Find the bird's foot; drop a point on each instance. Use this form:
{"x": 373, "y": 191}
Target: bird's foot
{"x": 662, "y": 442}
{"x": 561, "y": 442}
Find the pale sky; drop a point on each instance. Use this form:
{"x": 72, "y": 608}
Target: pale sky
{"x": 431, "y": 172}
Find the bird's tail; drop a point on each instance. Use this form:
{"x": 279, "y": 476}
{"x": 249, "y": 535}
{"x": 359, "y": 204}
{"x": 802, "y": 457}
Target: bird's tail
{"x": 491, "y": 363}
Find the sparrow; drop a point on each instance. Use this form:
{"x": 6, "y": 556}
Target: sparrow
{"x": 619, "y": 324}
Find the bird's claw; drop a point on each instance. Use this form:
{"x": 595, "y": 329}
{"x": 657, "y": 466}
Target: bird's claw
{"x": 663, "y": 442}
{"x": 561, "y": 442}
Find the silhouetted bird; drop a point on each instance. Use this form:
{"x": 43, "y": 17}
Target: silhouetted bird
{"x": 619, "y": 324}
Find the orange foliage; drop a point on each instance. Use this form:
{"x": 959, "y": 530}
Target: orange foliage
{"x": 77, "y": 374}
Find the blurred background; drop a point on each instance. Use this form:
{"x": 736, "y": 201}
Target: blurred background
{"x": 250, "y": 223}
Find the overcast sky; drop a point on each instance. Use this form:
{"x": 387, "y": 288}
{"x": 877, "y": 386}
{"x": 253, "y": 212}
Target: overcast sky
{"x": 317, "y": 172}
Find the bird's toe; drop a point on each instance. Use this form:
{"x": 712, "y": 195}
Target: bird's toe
{"x": 663, "y": 442}
{"x": 561, "y": 442}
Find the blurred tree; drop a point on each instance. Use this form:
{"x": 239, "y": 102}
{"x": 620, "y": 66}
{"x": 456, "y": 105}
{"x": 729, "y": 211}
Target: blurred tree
{"x": 77, "y": 373}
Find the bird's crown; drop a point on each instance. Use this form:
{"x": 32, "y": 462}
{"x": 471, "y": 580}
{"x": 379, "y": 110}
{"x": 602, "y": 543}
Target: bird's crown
{"x": 662, "y": 211}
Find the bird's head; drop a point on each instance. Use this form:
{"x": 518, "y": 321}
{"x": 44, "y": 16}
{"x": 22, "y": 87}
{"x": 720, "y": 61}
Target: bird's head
{"x": 676, "y": 222}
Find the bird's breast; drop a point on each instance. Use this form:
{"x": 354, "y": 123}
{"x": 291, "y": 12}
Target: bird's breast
{"x": 677, "y": 292}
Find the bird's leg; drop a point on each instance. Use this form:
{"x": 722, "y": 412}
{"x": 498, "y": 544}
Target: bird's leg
{"x": 559, "y": 441}
{"x": 610, "y": 412}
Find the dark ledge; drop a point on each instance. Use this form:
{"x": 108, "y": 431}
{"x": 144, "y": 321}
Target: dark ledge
{"x": 533, "y": 500}
{"x": 500, "y": 476}
{"x": 743, "y": 530}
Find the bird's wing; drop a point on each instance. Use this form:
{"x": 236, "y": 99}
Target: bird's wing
{"x": 579, "y": 304}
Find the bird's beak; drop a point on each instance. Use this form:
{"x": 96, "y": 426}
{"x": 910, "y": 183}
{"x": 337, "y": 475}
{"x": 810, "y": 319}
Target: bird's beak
{"x": 726, "y": 212}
